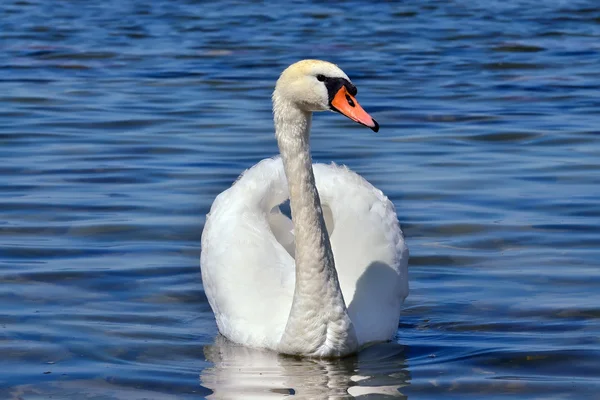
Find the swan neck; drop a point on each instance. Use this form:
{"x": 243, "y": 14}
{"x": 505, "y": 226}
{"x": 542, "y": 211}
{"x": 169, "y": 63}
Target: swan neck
{"x": 318, "y": 300}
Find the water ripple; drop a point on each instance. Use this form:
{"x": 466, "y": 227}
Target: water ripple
{"x": 121, "y": 121}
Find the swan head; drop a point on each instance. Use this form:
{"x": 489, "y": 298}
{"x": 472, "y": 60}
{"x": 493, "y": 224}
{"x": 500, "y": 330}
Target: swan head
{"x": 314, "y": 85}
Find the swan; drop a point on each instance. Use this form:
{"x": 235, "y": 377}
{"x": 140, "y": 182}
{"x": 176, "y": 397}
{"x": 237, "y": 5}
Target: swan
{"x": 331, "y": 280}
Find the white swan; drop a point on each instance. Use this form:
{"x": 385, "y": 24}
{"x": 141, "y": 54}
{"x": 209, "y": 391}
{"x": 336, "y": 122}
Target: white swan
{"x": 332, "y": 279}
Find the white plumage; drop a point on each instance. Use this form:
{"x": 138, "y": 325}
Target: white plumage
{"x": 249, "y": 271}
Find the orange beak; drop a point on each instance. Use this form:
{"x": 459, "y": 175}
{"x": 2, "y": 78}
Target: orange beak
{"x": 344, "y": 103}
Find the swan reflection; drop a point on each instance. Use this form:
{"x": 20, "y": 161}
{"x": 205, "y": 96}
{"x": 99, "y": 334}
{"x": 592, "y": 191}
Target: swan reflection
{"x": 241, "y": 372}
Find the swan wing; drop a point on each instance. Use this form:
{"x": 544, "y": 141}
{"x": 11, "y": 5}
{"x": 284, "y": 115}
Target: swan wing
{"x": 247, "y": 274}
{"x": 247, "y": 259}
{"x": 370, "y": 253}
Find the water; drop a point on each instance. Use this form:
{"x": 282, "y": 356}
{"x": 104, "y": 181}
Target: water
{"x": 121, "y": 121}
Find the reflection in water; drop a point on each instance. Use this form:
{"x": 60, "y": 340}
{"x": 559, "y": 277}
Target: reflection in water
{"x": 260, "y": 374}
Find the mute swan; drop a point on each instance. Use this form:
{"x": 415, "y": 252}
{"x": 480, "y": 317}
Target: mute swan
{"x": 333, "y": 279}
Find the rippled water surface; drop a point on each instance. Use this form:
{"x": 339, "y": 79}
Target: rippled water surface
{"x": 121, "y": 121}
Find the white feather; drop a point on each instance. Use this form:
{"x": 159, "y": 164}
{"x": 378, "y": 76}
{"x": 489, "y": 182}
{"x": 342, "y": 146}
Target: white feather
{"x": 248, "y": 274}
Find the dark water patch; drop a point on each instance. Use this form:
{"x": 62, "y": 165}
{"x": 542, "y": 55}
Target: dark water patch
{"x": 405, "y": 14}
{"x": 518, "y": 48}
{"x": 441, "y": 260}
{"x": 506, "y": 136}
{"x": 511, "y": 66}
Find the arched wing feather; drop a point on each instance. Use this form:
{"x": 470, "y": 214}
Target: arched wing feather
{"x": 247, "y": 254}
{"x": 248, "y": 276}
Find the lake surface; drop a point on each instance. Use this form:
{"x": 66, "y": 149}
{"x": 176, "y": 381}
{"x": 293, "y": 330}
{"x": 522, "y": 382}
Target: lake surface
{"x": 121, "y": 121}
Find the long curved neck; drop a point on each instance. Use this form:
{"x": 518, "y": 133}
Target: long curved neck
{"x": 318, "y": 323}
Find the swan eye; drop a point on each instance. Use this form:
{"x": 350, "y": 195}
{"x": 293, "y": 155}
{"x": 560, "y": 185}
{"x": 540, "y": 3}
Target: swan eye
{"x": 321, "y": 78}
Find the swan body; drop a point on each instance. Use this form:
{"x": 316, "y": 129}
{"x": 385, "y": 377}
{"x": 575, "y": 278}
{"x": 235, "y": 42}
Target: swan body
{"x": 332, "y": 279}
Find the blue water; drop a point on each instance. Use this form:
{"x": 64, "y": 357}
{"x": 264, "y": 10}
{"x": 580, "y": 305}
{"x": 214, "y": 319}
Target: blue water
{"x": 121, "y": 121}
